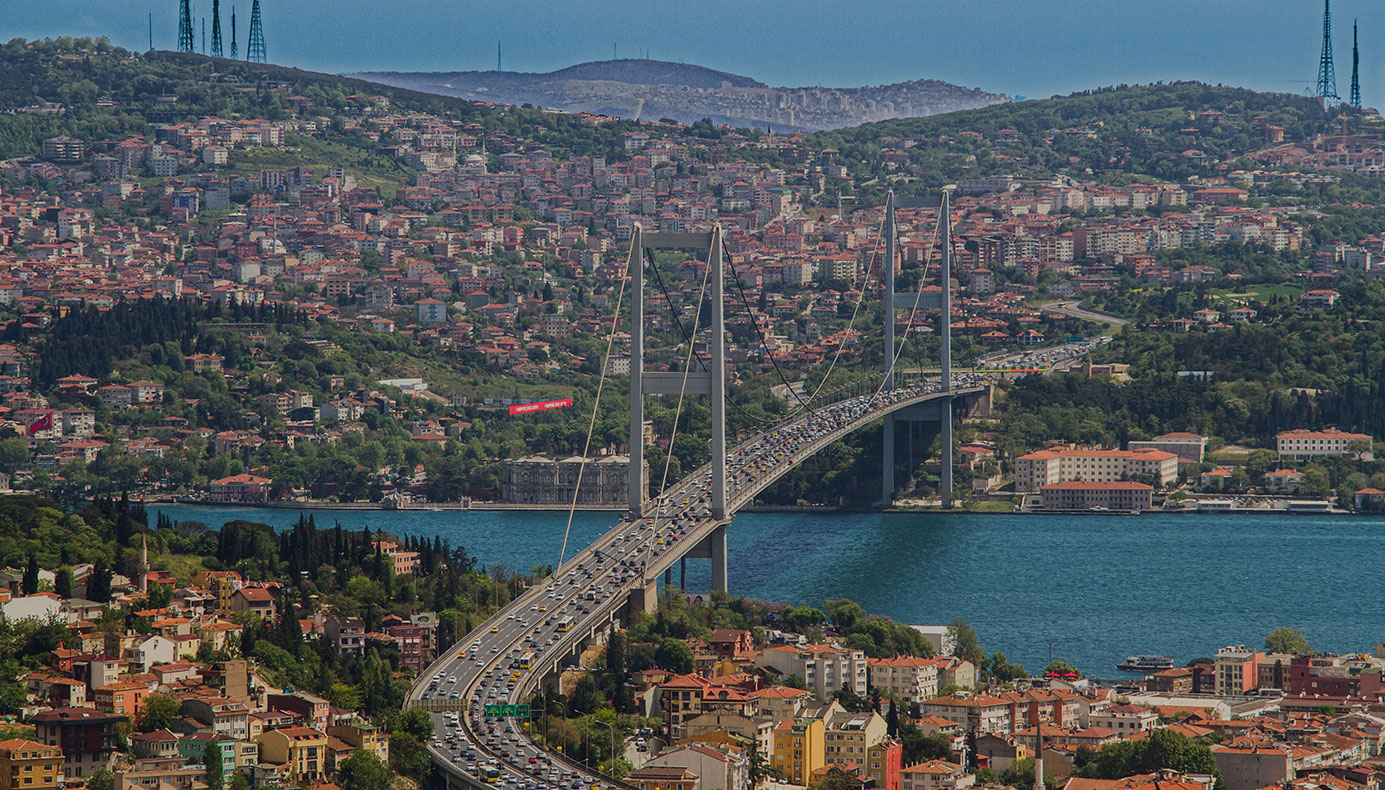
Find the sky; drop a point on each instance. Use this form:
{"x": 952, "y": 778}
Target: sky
{"x": 1017, "y": 47}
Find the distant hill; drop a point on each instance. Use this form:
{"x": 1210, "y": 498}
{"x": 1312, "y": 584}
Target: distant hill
{"x": 653, "y": 89}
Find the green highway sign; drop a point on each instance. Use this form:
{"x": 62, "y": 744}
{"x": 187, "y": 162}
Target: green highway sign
{"x": 505, "y": 711}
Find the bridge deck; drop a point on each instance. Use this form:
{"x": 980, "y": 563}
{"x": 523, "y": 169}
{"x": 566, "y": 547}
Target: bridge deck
{"x": 584, "y": 596}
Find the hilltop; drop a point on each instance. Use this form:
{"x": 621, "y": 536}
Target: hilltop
{"x": 91, "y": 90}
{"x": 652, "y": 89}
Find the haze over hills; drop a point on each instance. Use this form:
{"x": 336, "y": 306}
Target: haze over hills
{"x": 652, "y": 89}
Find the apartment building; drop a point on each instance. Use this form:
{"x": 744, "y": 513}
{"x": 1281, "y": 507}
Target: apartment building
{"x": 907, "y": 679}
{"x": 1060, "y": 465}
{"x": 1236, "y": 670}
{"x": 300, "y": 751}
{"x": 850, "y": 736}
{"x": 974, "y": 712}
{"x": 935, "y": 775}
{"x": 29, "y": 765}
{"x": 798, "y": 749}
{"x": 824, "y": 668}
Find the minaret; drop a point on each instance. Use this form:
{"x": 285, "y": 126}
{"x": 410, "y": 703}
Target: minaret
{"x": 1039, "y": 756}
{"x": 142, "y": 570}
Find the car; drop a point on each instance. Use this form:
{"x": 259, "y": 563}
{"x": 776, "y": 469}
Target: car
{"x": 495, "y": 629}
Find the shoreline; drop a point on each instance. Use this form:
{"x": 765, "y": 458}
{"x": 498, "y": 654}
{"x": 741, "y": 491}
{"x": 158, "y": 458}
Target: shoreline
{"x": 522, "y": 508}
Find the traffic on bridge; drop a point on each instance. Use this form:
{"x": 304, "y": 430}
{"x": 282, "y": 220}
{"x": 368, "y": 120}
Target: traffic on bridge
{"x": 503, "y": 662}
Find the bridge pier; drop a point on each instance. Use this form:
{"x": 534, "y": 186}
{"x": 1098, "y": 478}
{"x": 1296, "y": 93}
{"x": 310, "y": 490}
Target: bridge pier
{"x": 718, "y": 541}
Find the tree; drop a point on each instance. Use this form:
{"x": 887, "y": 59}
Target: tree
{"x": 892, "y": 721}
{"x": 675, "y": 656}
{"x": 62, "y": 582}
{"x": 211, "y": 758}
{"x": 239, "y": 781}
{"x": 102, "y": 779}
{"x": 851, "y": 700}
{"x": 30, "y": 580}
{"x": 160, "y": 712}
{"x": 966, "y": 643}
{"x": 1287, "y": 640}
{"x": 363, "y": 771}
{"x": 1060, "y": 667}
{"x": 759, "y": 770}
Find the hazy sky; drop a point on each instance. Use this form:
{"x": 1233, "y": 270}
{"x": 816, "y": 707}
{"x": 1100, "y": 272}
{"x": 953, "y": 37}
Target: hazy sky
{"x": 1018, "y": 47}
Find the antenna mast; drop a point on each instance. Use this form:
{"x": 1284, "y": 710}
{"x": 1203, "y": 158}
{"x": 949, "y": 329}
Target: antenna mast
{"x": 234, "y": 53}
{"x": 1355, "y": 67}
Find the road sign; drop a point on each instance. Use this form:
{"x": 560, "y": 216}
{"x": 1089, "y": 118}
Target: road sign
{"x": 505, "y": 711}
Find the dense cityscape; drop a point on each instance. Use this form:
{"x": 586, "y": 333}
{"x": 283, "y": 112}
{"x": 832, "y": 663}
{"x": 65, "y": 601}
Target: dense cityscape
{"x": 247, "y": 288}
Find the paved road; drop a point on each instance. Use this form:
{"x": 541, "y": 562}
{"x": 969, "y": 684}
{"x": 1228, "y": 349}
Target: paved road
{"x": 503, "y": 661}
{"x": 1077, "y": 311}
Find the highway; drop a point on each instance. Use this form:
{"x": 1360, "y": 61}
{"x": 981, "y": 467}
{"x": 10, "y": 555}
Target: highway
{"x": 503, "y": 661}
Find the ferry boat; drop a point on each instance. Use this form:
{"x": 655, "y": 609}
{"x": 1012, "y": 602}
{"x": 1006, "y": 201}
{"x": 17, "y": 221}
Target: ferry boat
{"x": 1145, "y": 664}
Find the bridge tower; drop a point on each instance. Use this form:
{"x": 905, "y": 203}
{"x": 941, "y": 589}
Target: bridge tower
{"x": 710, "y": 382}
{"x": 937, "y": 412}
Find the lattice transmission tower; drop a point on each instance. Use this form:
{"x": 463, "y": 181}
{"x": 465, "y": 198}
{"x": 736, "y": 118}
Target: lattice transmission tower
{"x": 1327, "y": 73}
{"x": 235, "y": 53}
{"x": 185, "y": 43}
{"x": 216, "y": 30}
{"x": 255, "y": 52}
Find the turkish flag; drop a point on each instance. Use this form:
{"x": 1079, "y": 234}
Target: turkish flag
{"x": 41, "y": 424}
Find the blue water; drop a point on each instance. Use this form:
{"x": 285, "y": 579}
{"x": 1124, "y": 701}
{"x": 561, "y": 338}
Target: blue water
{"x": 1097, "y": 588}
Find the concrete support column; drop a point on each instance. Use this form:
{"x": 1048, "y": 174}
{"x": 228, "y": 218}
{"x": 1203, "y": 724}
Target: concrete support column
{"x": 636, "y": 473}
{"x": 668, "y": 576}
{"x": 718, "y": 539}
{"x": 887, "y": 461}
{"x": 718, "y": 342}
{"x": 683, "y": 574}
{"x": 945, "y": 429}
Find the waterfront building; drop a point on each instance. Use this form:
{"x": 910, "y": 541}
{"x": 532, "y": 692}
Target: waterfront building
{"x": 1237, "y": 670}
{"x": 1303, "y": 445}
{"x": 1060, "y": 465}
{"x": 1123, "y": 495}
{"x": 539, "y": 480}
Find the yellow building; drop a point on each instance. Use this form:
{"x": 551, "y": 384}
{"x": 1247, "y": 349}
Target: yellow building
{"x": 363, "y": 736}
{"x": 29, "y": 765}
{"x": 302, "y": 751}
{"x": 800, "y": 748}
{"x": 222, "y": 584}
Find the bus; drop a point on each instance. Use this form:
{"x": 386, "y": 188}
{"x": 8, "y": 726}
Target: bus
{"x": 490, "y": 774}
{"x": 565, "y": 624}
{"x": 525, "y": 659}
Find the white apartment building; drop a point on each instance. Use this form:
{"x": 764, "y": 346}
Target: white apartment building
{"x": 1302, "y": 445}
{"x": 907, "y": 678}
{"x": 1050, "y": 467}
{"x": 824, "y": 668}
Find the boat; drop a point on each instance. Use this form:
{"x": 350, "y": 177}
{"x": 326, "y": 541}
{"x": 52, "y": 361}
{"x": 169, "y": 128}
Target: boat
{"x": 1145, "y": 663}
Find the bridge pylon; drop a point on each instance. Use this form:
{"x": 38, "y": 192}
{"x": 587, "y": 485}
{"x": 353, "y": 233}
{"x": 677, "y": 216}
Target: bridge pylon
{"x": 926, "y": 299}
{"x": 710, "y": 382}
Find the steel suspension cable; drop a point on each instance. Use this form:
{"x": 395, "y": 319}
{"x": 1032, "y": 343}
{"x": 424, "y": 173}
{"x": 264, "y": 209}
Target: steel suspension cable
{"x": 596, "y": 405}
